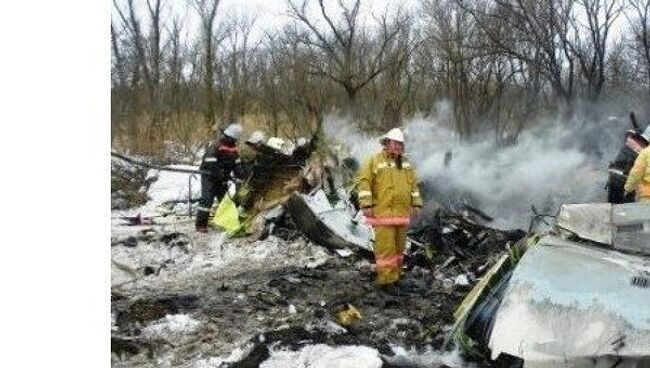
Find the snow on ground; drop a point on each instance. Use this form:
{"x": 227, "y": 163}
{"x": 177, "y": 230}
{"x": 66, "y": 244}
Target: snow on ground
{"x": 428, "y": 358}
{"x": 216, "y": 362}
{"x": 171, "y": 264}
{"x": 212, "y": 257}
{"x": 168, "y": 197}
{"x": 169, "y": 187}
{"x": 217, "y": 255}
{"x": 129, "y": 262}
{"x": 324, "y": 356}
{"x": 173, "y": 185}
{"x": 172, "y": 328}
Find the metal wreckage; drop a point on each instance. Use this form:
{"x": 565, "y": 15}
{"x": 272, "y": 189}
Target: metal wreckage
{"x": 572, "y": 291}
{"x": 575, "y": 293}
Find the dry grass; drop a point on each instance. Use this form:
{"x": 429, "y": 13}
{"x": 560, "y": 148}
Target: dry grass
{"x": 188, "y": 130}
{"x": 139, "y": 135}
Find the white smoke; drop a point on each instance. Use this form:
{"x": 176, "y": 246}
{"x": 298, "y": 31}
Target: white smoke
{"x": 356, "y": 143}
{"x": 549, "y": 165}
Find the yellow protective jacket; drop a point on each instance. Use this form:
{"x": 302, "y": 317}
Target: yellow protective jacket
{"x": 639, "y": 177}
{"x": 390, "y": 191}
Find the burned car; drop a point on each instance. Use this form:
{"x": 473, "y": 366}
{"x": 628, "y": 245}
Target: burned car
{"x": 574, "y": 296}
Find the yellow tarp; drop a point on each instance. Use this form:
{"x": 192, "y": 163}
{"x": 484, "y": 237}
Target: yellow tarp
{"x": 226, "y": 217}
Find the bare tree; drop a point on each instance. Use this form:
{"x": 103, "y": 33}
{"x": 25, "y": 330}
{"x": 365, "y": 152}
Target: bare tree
{"x": 148, "y": 52}
{"x": 175, "y": 65}
{"x": 119, "y": 65}
{"x": 345, "y": 57}
{"x": 534, "y": 31}
{"x": 449, "y": 35}
{"x": 639, "y": 19}
{"x": 238, "y": 50}
{"x": 589, "y": 41}
{"x": 500, "y": 63}
{"x": 207, "y": 10}
{"x": 290, "y": 90}
{"x": 396, "y": 82}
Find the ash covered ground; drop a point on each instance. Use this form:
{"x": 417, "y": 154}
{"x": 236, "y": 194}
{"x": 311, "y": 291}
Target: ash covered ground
{"x": 179, "y": 299}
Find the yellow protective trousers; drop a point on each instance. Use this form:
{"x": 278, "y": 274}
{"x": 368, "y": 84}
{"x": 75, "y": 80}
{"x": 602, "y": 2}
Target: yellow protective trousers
{"x": 389, "y": 253}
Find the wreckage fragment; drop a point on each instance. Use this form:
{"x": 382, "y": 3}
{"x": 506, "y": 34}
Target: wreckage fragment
{"x": 566, "y": 302}
{"x": 274, "y": 176}
{"x": 586, "y": 221}
{"x": 326, "y": 225}
{"x": 620, "y": 226}
{"x": 576, "y": 297}
{"x": 348, "y": 315}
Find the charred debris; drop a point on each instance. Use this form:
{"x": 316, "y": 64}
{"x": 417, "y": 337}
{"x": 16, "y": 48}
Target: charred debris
{"x": 457, "y": 271}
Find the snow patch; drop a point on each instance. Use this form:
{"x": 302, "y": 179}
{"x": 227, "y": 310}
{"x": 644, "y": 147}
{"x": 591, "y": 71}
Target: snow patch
{"x": 222, "y": 257}
{"x": 171, "y": 188}
{"x": 128, "y": 263}
{"x": 461, "y": 280}
{"x": 316, "y": 262}
{"x": 427, "y": 358}
{"x": 344, "y": 252}
{"x": 325, "y": 356}
{"x": 173, "y": 185}
{"x": 172, "y": 327}
{"x": 327, "y": 326}
{"x": 215, "y": 362}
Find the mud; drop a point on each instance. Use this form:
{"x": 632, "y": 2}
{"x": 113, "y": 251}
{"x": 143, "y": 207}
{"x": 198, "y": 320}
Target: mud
{"x": 290, "y": 306}
{"x": 181, "y": 299}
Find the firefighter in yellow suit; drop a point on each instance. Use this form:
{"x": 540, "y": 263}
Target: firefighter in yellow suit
{"x": 639, "y": 177}
{"x": 389, "y": 196}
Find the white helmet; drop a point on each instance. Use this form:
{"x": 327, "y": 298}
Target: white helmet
{"x": 288, "y": 147}
{"x": 233, "y": 131}
{"x": 646, "y": 134}
{"x": 302, "y": 141}
{"x": 275, "y": 143}
{"x": 256, "y": 137}
{"x": 394, "y": 134}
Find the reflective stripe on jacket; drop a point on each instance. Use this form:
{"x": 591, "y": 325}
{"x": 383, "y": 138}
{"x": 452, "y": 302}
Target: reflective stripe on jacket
{"x": 220, "y": 159}
{"x": 390, "y": 261}
{"x": 389, "y": 221}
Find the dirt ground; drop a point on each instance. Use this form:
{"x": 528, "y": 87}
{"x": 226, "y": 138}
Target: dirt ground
{"x": 257, "y": 295}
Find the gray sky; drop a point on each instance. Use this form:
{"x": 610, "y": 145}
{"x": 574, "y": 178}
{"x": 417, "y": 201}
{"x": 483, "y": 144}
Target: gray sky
{"x": 271, "y": 14}
{"x": 268, "y": 14}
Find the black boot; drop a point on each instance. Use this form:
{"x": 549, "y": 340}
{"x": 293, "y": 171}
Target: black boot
{"x": 202, "y": 221}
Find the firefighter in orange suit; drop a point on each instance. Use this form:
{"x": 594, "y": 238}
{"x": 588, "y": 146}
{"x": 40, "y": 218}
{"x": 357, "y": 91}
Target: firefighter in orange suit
{"x": 389, "y": 196}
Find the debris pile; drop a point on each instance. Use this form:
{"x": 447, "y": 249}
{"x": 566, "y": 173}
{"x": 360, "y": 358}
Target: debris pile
{"x": 458, "y": 246}
{"x": 544, "y": 276}
{"x": 274, "y": 176}
{"x": 302, "y": 284}
{"x": 129, "y": 185}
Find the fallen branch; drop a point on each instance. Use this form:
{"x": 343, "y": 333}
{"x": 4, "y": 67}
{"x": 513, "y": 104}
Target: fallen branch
{"x": 156, "y": 167}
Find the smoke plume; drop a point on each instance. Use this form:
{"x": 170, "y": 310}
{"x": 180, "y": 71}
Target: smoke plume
{"x": 552, "y": 163}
